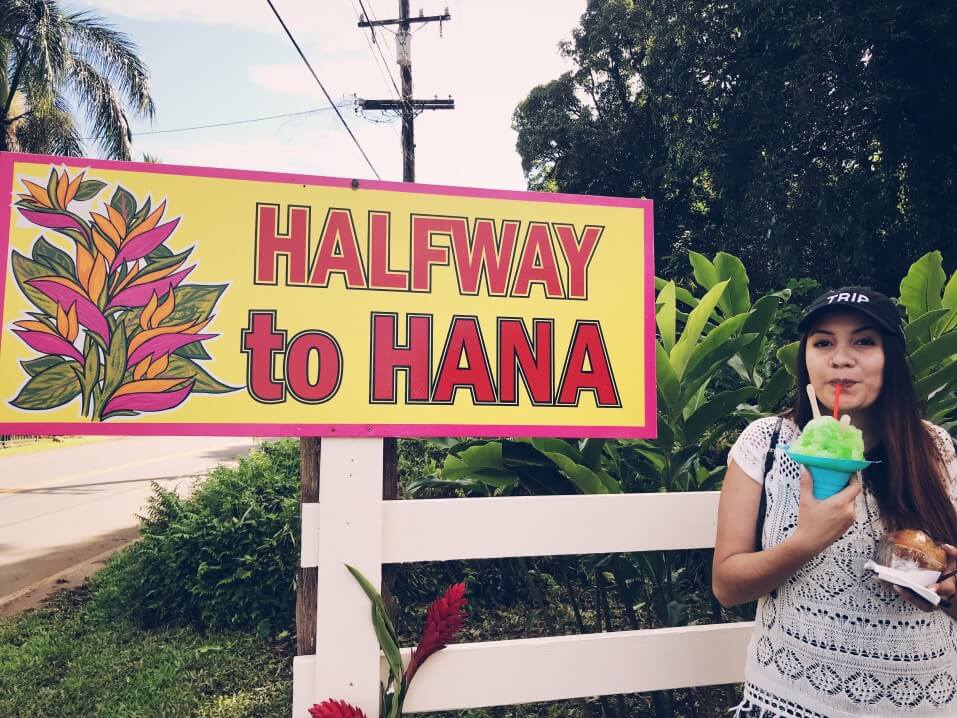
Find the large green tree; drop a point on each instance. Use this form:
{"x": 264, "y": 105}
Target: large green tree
{"x": 809, "y": 137}
{"x": 56, "y": 64}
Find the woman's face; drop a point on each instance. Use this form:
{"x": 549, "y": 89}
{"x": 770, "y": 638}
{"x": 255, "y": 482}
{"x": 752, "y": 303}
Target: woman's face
{"x": 846, "y": 348}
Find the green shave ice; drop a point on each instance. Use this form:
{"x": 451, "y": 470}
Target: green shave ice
{"x": 829, "y": 438}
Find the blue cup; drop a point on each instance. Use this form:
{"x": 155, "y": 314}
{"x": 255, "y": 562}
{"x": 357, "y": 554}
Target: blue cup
{"x": 829, "y": 475}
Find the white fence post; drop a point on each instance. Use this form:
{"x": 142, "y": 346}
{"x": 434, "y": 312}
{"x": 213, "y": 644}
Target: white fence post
{"x": 350, "y": 514}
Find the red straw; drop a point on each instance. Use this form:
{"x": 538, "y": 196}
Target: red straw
{"x": 837, "y": 401}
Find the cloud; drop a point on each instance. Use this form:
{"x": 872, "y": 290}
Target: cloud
{"x": 489, "y": 56}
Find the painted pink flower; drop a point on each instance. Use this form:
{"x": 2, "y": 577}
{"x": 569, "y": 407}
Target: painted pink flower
{"x": 138, "y": 294}
{"x": 165, "y": 344}
{"x": 52, "y": 220}
{"x": 65, "y": 292}
{"x": 49, "y": 340}
{"x": 147, "y": 395}
{"x": 141, "y": 245}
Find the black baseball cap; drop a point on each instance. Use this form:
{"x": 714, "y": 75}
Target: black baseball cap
{"x": 862, "y": 299}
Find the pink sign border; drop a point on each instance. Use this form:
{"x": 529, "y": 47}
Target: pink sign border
{"x": 141, "y": 428}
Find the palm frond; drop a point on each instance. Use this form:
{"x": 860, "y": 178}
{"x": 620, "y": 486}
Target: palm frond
{"x": 114, "y": 56}
{"x": 104, "y": 111}
{"x": 50, "y": 131}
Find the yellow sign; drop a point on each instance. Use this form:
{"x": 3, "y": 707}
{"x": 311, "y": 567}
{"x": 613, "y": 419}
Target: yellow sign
{"x": 151, "y": 299}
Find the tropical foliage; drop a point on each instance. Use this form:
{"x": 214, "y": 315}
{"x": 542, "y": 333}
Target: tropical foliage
{"x": 806, "y": 137}
{"x": 55, "y": 64}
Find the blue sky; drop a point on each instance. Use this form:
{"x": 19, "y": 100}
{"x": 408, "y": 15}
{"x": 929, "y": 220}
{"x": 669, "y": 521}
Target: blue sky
{"x": 217, "y": 61}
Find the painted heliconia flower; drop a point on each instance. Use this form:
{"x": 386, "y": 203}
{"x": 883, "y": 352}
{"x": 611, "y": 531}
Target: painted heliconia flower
{"x": 55, "y": 340}
{"x": 65, "y": 291}
{"x": 335, "y": 709}
{"x": 119, "y": 243}
{"x": 121, "y": 286}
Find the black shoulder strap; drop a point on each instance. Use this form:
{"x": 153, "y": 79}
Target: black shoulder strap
{"x": 768, "y": 464}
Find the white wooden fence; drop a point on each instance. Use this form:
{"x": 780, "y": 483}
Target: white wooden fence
{"x": 352, "y": 524}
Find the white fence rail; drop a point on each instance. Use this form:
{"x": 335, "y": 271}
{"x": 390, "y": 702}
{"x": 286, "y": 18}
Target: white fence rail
{"x": 351, "y": 524}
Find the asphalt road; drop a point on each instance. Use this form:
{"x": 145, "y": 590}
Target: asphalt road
{"x": 62, "y": 506}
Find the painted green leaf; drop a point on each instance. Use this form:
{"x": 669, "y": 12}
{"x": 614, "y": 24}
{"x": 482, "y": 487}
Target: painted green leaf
{"x": 193, "y": 351}
{"x": 195, "y": 302}
{"x": 54, "y": 258}
{"x": 115, "y": 361}
{"x": 922, "y": 287}
{"x": 88, "y": 190}
{"x": 51, "y": 388}
{"x": 35, "y": 366}
{"x": 182, "y": 367}
{"x": 25, "y": 269}
{"x": 160, "y": 252}
{"x": 124, "y": 203}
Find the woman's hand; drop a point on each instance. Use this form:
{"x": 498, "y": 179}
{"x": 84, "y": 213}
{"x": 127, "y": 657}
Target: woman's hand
{"x": 945, "y": 589}
{"x": 823, "y": 521}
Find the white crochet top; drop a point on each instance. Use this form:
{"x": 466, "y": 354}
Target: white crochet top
{"x": 833, "y": 640}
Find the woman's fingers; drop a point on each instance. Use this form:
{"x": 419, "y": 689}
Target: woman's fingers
{"x": 913, "y": 599}
{"x": 948, "y": 588}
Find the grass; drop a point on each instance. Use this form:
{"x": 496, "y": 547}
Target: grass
{"x": 15, "y": 447}
{"x": 67, "y": 659}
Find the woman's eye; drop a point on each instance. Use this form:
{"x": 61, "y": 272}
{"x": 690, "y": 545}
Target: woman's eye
{"x": 822, "y": 343}
{"x": 867, "y": 341}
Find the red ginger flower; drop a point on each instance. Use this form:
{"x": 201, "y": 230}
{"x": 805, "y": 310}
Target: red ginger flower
{"x": 443, "y": 620}
{"x": 335, "y": 709}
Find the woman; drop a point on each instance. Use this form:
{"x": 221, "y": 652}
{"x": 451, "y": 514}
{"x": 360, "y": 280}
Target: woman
{"x": 830, "y": 639}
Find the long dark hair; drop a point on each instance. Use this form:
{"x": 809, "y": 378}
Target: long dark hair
{"x": 912, "y": 489}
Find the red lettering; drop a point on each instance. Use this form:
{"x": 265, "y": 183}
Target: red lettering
{"x": 486, "y": 254}
{"x": 533, "y": 362}
{"x": 271, "y": 244}
{"x": 388, "y": 356}
{"x": 464, "y": 342}
{"x": 577, "y": 256}
{"x": 338, "y": 252}
{"x": 587, "y": 347}
{"x": 380, "y": 276}
{"x": 537, "y": 264}
{"x": 262, "y": 342}
{"x": 329, "y": 373}
{"x": 424, "y": 253}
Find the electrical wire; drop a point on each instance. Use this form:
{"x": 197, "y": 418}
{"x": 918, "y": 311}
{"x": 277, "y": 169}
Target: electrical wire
{"x": 235, "y": 122}
{"x": 322, "y": 87}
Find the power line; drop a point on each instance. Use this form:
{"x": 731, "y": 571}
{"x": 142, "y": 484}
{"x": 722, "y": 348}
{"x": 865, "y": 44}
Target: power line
{"x": 236, "y": 122}
{"x": 378, "y": 48}
{"x": 322, "y": 87}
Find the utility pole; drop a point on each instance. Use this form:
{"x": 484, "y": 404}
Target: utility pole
{"x": 406, "y": 105}
{"x": 311, "y": 447}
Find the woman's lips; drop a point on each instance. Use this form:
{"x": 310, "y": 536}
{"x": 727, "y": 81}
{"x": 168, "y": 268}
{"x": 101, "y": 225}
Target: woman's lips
{"x": 844, "y": 383}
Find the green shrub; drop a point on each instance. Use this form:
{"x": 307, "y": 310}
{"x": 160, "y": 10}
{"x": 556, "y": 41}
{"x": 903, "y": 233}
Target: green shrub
{"x": 225, "y": 557}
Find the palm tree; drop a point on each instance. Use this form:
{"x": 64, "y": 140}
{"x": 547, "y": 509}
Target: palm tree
{"x": 54, "y": 64}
